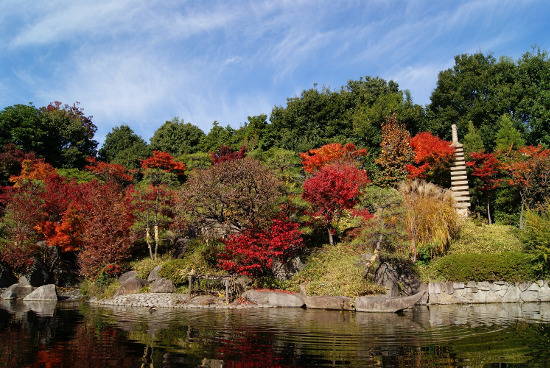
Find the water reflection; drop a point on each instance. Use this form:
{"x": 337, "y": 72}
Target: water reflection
{"x": 453, "y": 336}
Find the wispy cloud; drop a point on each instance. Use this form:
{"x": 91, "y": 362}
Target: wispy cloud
{"x": 142, "y": 62}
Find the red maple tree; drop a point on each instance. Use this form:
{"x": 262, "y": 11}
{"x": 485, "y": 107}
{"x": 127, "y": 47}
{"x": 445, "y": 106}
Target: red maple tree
{"x": 486, "y": 167}
{"x": 253, "y": 251}
{"x": 106, "y": 171}
{"x": 225, "y": 153}
{"x": 332, "y": 190}
{"x": 153, "y": 200}
{"x": 528, "y": 169}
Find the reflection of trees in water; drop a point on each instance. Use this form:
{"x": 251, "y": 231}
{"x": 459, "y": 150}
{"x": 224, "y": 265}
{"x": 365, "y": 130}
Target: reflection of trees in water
{"x": 94, "y": 337}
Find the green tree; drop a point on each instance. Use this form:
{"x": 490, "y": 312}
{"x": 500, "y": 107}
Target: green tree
{"x": 177, "y": 138}
{"x": 481, "y": 89}
{"x": 61, "y": 134}
{"x": 70, "y": 135}
{"x": 472, "y": 140}
{"x": 354, "y": 113}
{"x": 22, "y": 126}
{"x": 531, "y": 91}
{"x": 219, "y": 136}
{"x": 508, "y": 137}
{"x": 124, "y": 147}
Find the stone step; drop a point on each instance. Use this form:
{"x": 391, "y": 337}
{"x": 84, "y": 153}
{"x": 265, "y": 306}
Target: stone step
{"x": 457, "y": 178}
{"x": 459, "y": 188}
{"x": 463, "y": 196}
{"x": 456, "y": 183}
{"x": 462, "y": 205}
{"x": 458, "y": 168}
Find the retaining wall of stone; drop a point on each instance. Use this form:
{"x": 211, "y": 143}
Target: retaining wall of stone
{"x": 487, "y": 292}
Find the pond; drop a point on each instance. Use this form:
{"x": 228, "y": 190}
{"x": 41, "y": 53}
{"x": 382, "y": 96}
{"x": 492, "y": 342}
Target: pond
{"x": 80, "y": 335}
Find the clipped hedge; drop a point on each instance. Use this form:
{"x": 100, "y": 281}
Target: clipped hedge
{"x": 506, "y": 266}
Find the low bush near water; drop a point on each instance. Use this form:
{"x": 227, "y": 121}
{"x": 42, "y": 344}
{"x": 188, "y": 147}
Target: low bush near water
{"x": 200, "y": 259}
{"x": 505, "y": 266}
{"x": 334, "y": 270}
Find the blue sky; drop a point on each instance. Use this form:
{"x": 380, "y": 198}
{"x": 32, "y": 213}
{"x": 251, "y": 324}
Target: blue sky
{"x": 142, "y": 62}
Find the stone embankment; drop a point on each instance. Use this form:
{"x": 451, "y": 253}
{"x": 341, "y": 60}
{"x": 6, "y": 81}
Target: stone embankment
{"x": 487, "y": 292}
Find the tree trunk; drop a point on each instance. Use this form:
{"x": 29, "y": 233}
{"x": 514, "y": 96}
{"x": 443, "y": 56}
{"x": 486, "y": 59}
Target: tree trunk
{"x": 489, "y": 212}
{"x": 156, "y": 226}
{"x": 330, "y": 238}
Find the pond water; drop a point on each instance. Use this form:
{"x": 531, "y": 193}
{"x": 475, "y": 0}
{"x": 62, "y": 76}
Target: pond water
{"x": 80, "y": 335}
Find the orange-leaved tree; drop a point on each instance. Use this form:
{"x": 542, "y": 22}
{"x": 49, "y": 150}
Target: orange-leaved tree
{"x": 432, "y": 157}
{"x": 315, "y": 159}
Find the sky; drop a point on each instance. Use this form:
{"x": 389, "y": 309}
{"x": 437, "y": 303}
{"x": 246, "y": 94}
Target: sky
{"x": 143, "y": 62}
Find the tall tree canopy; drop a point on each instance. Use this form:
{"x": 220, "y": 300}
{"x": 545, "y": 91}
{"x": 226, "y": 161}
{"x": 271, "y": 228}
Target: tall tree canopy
{"x": 481, "y": 89}
{"x": 177, "y": 138}
{"x": 124, "y": 147}
{"x": 61, "y": 134}
{"x": 354, "y": 113}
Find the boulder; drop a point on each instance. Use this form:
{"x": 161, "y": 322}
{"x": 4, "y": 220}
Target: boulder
{"x": 284, "y": 271}
{"x": 127, "y": 275}
{"x": 38, "y": 275}
{"x": 328, "y": 302}
{"x": 6, "y": 277}
{"x": 16, "y": 291}
{"x": 154, "y": 274}
{"x": 274, "y": 298}
{"x": 132, "y": 285}
{"x": 205, "y": 300}
{"x": 46, "y": 292}
{"x": 382, "y": 303}
{"x": 163, "y": 286}
{"x": 399, "y": 279}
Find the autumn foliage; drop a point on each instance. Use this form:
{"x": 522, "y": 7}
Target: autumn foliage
{"x": 396, "y": 152}
{"x": 253, "y": 251}
{"x": 106, "y": 171}
{"x": 225, "y": 153}
{"x": 333, "y": 189}
{"x": 430, "y": 153}
{"x": 165, "y": 162}
{"x": 315, "y": 159}
{"x": 36, "y": 169}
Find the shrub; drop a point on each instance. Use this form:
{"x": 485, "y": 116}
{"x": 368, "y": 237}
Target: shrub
{"x": 198, "y": 261}
{"x": 536, "y": 237}
{"x": 144, "y": 266}
{"x": 505, "y": 266}
{"x": 253, "y": 251}
{"x": 334, "y": 270}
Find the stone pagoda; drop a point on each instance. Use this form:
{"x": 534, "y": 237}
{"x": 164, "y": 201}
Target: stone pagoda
{"x": 459, "y": 178}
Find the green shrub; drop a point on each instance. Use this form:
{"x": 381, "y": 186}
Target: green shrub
{"x": 506, "y": 266}
{"x": 144, "y": 266}
{"x": 199, "y": 259}
{"x": 334, "y": 270}
{"x": 100, "y": 289}
{"x": 485, "y": 239}
{"x": 536, "y": 238}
